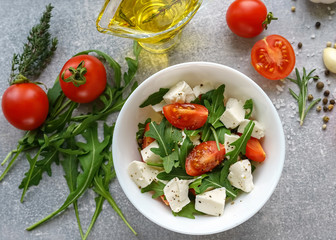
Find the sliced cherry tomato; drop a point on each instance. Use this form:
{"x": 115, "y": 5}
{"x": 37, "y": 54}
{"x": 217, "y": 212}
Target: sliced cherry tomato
{"x": 83, "y": 78}
{"x": 246, "y": 17}
{"x": 25, "y": 105}
{"x": 204, "y": 157}
{"x": 186, "y": 115}
{"x": 163, "y": 198}
{"x": 273, "y": 57}
{"x": 254, "y": 150}
{"x": 147, "y": 140}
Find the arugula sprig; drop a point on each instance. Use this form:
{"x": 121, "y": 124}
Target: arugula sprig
{"x": 302, "y": 96}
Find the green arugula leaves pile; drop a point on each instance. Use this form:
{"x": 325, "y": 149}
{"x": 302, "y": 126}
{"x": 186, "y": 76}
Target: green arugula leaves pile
{"x": 73, "y": 141}
{"x": 173, "y": 149}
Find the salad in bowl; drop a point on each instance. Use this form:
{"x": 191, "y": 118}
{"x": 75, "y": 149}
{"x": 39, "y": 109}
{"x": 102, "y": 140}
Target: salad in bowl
{"x": 198, "y": 143}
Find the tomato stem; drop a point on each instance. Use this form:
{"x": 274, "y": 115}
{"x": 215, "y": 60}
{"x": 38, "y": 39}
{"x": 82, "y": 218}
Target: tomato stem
{"x": 77, "y": 75}
{"x": 268, "y": 20}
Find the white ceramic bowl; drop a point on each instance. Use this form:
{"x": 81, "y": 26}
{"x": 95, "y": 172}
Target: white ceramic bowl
{"x": 266, "y": 175}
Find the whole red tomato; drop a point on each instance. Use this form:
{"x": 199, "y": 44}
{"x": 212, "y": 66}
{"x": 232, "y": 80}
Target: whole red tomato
{"x": 248, "y": 18}
{"x": 25, "y": 105}
{"x": 83, "y": 78}
{"x": 273, "y": 57}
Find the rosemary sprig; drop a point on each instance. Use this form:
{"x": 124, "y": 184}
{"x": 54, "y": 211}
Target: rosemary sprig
{"x": 302, "y": 97}
{"x": 37, "y": 52}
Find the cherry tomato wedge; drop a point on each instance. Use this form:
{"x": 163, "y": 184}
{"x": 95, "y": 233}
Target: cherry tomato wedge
{"x": 245, "y": 17}
{"x": 147, "y": 140}
{"x": 273, "y": 57}
{"x": 254, "y": 150}
{"x": 186, "y": 115}
{"x": 204, "y": 157}
{"x": 25, "y": 105}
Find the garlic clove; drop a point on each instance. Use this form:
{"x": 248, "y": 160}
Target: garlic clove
{"x": 329, "y": 59}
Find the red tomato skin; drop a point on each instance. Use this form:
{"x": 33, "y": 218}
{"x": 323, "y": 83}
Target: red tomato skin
{"x": 245, "y": 17}
{"x": 147, "y": 140}
{"x": 95, "y": 79}
{"x": 25, "y": 106}
{"x": 273, "y": 57}
{"x": 188, "y": 116}
{"x": 204, "y": 157}
{"x": 254, "y": 150}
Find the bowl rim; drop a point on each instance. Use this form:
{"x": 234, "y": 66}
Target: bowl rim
{"x": 277, "y": 175}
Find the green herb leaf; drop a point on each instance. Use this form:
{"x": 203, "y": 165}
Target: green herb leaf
{"x": 185, "y": 149}
{"x": 141, "y": 129}
{"x": 248, "y": 106}
{"x": 176, "y": 172}
{"x": 155, "y": 98}
{"x": 156, "y": 186}
{"x": 188, "y": 211}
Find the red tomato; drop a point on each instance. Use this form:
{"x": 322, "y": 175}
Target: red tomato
{"x": 147, "y": 140}
{"x": 186, "y": 115}
{"x": 273, "y": 57}
{"x": 254, "y": 150}
{"x": 245, "y": 17}
{"x": 95, "y": 79}
{"x": 25, "y": 105}
{"x": 204, "y": 157}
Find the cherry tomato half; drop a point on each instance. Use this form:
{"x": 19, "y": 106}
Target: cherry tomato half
{"x": 147, "y": 140}
{"x": 245, "y": 17}
{"x": 186, "y": 115}
{"x": 273, "y": 57}
{"x": 254, "y": 150}
{"x": 204, "y": 157}
{"x": 25, "y": 105}
{"x": 95, "y": 79}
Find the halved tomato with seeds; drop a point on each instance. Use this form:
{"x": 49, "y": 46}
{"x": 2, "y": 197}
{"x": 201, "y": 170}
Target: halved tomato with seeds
{"x": 273, "y": 57}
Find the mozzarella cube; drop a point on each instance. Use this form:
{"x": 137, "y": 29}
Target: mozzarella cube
{"x": 211, "y": 202}
{"x": 180, "y": 93}
{"x": 158, "y": 107}
{"x": 228, "y": 139}
{"x": 176, "y": 192}
{"x": 258, "y": 130}
{"x": 148, "y": 155}
{"x": 234, "y": 113}
{"x": 142, "y": 174}
{"x": 240, "y": 175}
{"x": 194, "y": 139}
{"x": 202, "y": 88}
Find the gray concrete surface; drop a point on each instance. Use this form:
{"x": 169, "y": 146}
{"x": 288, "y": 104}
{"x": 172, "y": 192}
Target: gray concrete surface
{"x": 303, "y": 204}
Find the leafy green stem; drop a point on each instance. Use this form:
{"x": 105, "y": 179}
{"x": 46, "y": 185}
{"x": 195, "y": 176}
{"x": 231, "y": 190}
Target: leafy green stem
{"x": 18, "y": 151}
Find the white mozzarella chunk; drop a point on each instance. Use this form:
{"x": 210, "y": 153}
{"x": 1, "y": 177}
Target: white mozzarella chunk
{"x": 142, "y": 174}
{"x": 202, "y": 88}
{"x": 176, "y": 193}
{"x": 234, "y": 113}
{"x": 158, "y": 107}
{"x": 258, "y": 130}
{"x": 148, "y": 155}
{"x": 240, "y": 175}
{"x": 194, "y": 139}
{"x": 228, "y": 139}
{"x": 211, "y": 202}
{"x": 180, "y": 93}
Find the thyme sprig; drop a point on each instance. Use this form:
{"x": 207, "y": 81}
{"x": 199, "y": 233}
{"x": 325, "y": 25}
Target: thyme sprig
{"x": 302, "y": 96}
{"x": 37, "y": 52}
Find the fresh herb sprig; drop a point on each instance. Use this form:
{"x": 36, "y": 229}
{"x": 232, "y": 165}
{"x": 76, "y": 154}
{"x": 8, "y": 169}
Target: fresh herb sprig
{"x": 37, "y": 52}
{"x": 302, "y": 96}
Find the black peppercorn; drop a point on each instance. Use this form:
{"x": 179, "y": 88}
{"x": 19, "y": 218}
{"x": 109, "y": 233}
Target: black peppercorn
{"x": 326, "y": 72}
{"x": 317, "y": 24}
{"x": 316, "y": 77}
{"x": 326, "y": 93}
{"x": 332, "y": 101}
{"x": 319, "y": 85}
{"x": 300, "y": 45}
{"x": 325, "y": 101}
{"x": 325, "y": 109}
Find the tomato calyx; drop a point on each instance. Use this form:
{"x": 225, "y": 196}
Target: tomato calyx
{"x": 268, "y": 20}
{"x": 77, "y": 74}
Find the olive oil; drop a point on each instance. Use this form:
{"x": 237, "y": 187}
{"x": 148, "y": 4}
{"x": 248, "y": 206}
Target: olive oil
{"x": 153, "y": 16}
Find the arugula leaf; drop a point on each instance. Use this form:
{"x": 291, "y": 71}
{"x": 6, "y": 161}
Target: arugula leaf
{"x": 155, "y": 98}
{"x": 220, "y": 132}
{"x": 184, "y": 150}
{"x": 141, "y": 129}
{"x": 188, "y": 211}
{"x": 180, "y": 173}
{"x": 248, "y": 106}
{"x": 90, "y": 164}
{"x": 156, "y": 186}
